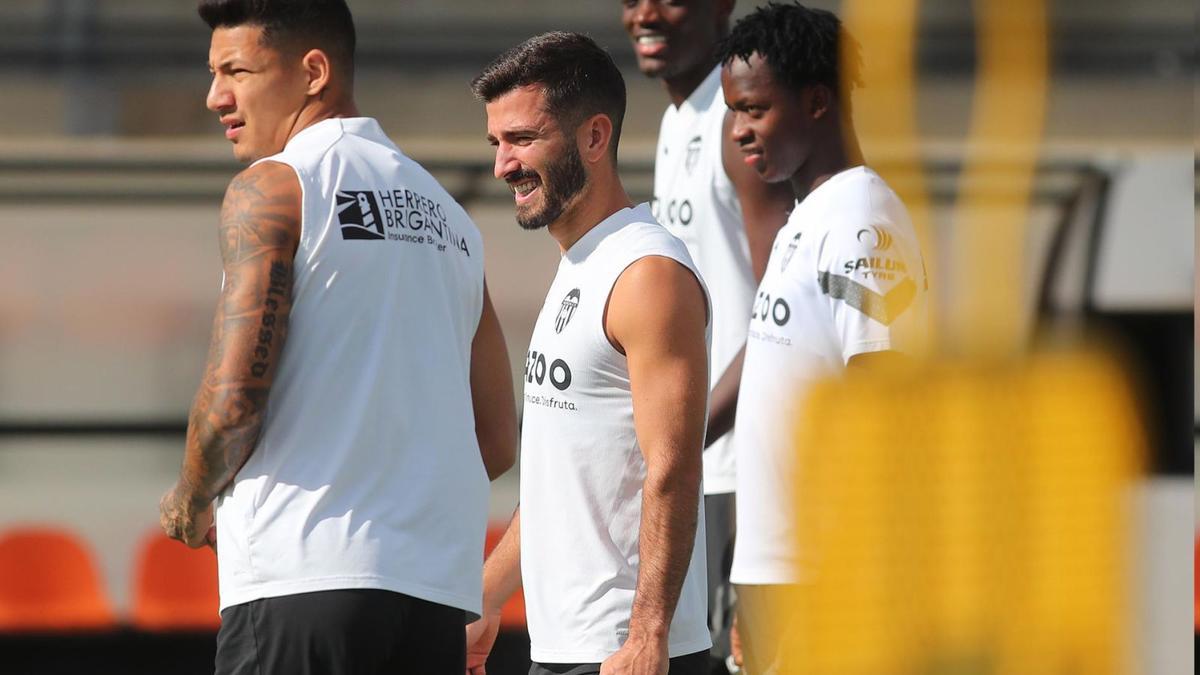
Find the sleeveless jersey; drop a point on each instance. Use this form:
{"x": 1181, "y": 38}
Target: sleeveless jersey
{"x": 845, "y": 277}
{"x": 367, "y": 473}
{"x": 581, "y": 465}
{"x": 694, "y": 199}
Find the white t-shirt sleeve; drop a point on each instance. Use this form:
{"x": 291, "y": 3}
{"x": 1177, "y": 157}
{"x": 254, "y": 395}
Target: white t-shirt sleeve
{"x": 869, "y": 283}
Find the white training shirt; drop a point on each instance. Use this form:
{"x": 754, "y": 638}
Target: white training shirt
{"x": 694, "y": 199}
{"x": 581, "y": 466}
{"x": 367, "y": 473}
{"x": 845, "y": 277}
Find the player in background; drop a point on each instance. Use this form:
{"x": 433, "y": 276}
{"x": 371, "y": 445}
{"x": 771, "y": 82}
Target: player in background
{"x": 356, "y": 397}
{"x": 706, "y": 195}
{"x": 606, "y": 536}
{"x": 844, "y": 287}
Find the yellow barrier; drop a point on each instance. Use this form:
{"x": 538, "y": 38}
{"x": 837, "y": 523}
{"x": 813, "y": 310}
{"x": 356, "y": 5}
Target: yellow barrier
{"x": 965, "y": 519}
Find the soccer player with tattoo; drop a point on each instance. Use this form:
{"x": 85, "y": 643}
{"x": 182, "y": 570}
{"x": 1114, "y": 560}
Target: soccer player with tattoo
{"x": 608, "y": 536}
{"x": 727, "y": 216}
{"x": 356, "y": 397}
{"x": 844, "y": 288}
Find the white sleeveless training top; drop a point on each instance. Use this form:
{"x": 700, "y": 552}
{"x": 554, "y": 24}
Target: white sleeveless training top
{"x": 367, "y": 473}
{"x": 694, "y": 199}
{"x": 581, "y": 466}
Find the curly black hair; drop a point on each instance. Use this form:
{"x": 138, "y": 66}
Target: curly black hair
{"x": 800, "y": 44}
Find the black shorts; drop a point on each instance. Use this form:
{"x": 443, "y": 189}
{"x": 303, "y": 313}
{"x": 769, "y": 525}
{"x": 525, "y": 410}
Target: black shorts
{"x": 689, "y": 664}
{"x": 345, "y": 632}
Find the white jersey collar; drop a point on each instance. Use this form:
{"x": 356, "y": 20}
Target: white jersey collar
{"x": 366, "y": 127}
{"x": 582, "y": 248}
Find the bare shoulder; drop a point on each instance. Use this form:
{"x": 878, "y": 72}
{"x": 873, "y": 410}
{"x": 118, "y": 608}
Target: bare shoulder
{"x": 261, "y": 209}
{"x": 658, "y": 275}
{"x": 655, "y": 294}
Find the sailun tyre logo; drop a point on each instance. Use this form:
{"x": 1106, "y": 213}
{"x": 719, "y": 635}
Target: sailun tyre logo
{"x": 883, "y": 240}
{"x": 567, "y": 310}
{"x": 358, "y": 214}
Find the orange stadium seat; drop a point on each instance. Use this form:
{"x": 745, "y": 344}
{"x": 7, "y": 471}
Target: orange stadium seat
{"x": 174, "y": 587}
{"x": 49, "y": 582}
{"x": 512, "y": 616}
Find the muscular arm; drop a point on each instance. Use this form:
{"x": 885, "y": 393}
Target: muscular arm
{"x": 656, "y": 315}
{"x": 492, "y": 393}
{"x": 259, "y": 232}
{"x": 765, "y": 209}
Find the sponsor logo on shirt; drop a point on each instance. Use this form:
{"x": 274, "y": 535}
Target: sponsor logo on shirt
{"x": 766, "y": 308}
{"x": 567, "y": 310}
{"x": 879, "y": 239}
{"x": 539, "y": 368}
{"x": 677, "y": 212}
{"x": 359, "y": 215}
{"x": 402, "y": 215}
{"x": 876, "y": 267}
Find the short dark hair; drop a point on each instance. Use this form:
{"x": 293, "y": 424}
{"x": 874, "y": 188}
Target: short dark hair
{"x": 303, "y": 24}
{"x": 801, "y": 45}
{"x": 577, "y": 77}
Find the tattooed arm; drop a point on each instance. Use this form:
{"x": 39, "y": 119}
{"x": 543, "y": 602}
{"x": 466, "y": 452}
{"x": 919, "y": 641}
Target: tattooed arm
{"x": 260, "y": 229}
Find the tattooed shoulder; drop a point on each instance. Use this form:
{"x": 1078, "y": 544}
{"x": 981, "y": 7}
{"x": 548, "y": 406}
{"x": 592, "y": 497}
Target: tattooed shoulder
{"x": 260, "y": 213}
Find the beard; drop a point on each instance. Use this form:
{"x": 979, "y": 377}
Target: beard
{"x": 564, "y": 178}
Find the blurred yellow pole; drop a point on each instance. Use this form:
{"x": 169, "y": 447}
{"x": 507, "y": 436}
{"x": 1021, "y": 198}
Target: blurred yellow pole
{"x": 1001, "y": 158}
{"x": 966, "y": 516}
{"x": 885, "y": 113}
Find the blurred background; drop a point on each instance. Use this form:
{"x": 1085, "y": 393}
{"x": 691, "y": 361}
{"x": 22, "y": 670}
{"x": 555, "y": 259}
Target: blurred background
{"x": 111, "y": 176}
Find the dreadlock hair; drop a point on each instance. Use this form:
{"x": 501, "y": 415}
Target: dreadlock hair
{"x": 802, "y": 46}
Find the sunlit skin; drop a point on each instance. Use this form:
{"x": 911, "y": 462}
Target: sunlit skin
{"x": 264, "y": 95}
{"x": 528, "y": 143}
{"x": 784, "y": 134}
{"x": 675, "y": 39}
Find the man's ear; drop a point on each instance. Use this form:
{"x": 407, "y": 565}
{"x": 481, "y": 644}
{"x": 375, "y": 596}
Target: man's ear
{"x": 594, "y": 137}
{"x": 318, "y": 71}
{"x": 820, "y": 101}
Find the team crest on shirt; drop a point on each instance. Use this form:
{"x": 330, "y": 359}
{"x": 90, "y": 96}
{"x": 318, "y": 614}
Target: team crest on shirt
{"x": 567, "y": 310}
{"x": 693, "y": 154}
{"x": 791, "y": 250}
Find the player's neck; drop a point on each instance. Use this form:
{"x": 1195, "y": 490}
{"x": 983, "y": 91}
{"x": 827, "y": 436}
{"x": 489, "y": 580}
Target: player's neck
{"x": 840, "y": 152}
{"x": 319, "y": 110}
{"x": 680, "y": 87}
{"x": 598, "y": 200}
